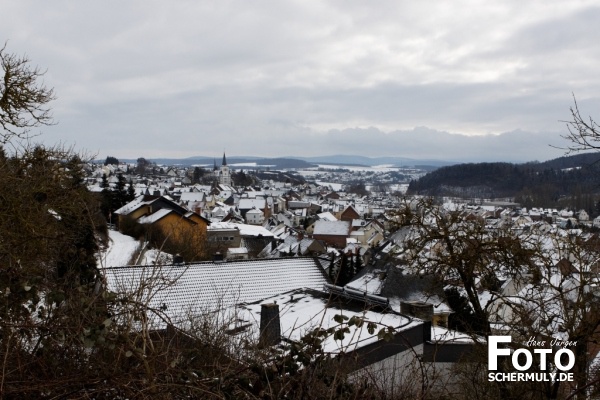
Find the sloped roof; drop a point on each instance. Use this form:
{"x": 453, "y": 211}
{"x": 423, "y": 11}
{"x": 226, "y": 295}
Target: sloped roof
{"x": 255, "y": 211}
{"x": 327, "y": 216}
{"x": 192, "y": 196}
{"x": 350, "y": 210}
{"x": 298, "y": 204}
{"x": 135, "y": 204}
{"x": 152, "y": 218}
{"x": 210, "y": 286}
{"x": 359, "y": 223}
{"x": 293, "y": 243}
{"x": 253, "y": 230}
{"x": 323, "y": 227}
{"x": 247, "y": 204}
{"x": 304, "y": 310}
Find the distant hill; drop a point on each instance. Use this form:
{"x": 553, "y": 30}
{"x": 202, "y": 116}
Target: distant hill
{"x": 570, "y": 161}
{"x": 373, "y": 161}
{"x": 302, "y": 162}
{"x": 572, "y": 181}
{"x": 245, "y": 162}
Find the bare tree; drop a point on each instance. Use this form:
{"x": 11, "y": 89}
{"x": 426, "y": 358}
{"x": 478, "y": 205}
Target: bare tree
{"x": 550, "y": 293}
{"x": 584, "y": 133}
{"x": 23, "y": 97}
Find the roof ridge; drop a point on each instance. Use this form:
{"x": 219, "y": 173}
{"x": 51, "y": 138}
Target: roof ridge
{"x": 250, "y": 261}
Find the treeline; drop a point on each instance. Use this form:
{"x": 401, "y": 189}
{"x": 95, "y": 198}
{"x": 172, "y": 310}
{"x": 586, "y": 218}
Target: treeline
{"x": 565, "y": 182}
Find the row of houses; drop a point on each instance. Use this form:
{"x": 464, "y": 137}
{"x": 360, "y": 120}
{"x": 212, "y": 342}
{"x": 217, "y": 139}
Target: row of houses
{"x": 278, "y": 300}
{"x": 284, "y": 265}
{"x": 277, "y": 246}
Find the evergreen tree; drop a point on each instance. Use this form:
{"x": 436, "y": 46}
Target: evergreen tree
{"x": 130, "y": 192}
{"x": 344, "y": 273}
{"x": 104, "y": 184}
{"x": 358, "y": 264}
{"x": 198, "y": 174}
{"x": 106, "y": 198}
{"x": 120, "y": 194}
{"x": 332, "y": 267}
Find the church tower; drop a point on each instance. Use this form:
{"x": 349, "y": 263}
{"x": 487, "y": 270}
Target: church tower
{"x": 225, "y": 175}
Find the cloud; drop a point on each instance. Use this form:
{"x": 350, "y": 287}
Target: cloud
{"x": 189, "y": 78}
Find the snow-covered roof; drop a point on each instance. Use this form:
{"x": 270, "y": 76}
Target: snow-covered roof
{"x": 298, "y": 204}
{"x": 152, "y": 218}
{"x": 370, "y": 283}
{"x": 439, "y": 334}
{"x": 292, "y": 243}
{"x": 327, "y": 216}
{"x": 302, "y": 311}
{"x": 132, "y": 205}
{"x": 331, "y": 228}
{"x": 246, "y": 204}
{"x": 192, "y": 196}
{"x": 253, "y": 230}
{"x": 237, "y": 250}
{"x": 209, "y": 286}
{"x": 215, "y": 226}
{"x": 358, "y": 222}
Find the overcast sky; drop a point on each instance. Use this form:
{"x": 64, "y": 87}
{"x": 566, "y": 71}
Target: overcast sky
{"x": 279, "y": 78}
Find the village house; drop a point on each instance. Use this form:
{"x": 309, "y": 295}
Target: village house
{"x": 164, "y": 222}
{"x": 223, "y": 236}
{"x": 253, "y": 301}
{"x": 292, "y": 242}
{"x": 334, "y": 233}
{"x": 390, "y": 364}
{"x": 255, "y": 217}
{"x": 258, "y": 203}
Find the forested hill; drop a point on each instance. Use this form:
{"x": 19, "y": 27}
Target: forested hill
{"x": 542, "y": 184}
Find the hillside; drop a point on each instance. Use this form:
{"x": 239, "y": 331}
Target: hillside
{"x": 245, "y": 162}
{"x": 566, "y": 181}
{"x": 298, "y": 161}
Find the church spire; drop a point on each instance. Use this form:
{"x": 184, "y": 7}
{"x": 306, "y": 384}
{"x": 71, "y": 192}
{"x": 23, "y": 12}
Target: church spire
{"x": 224, "y": 160}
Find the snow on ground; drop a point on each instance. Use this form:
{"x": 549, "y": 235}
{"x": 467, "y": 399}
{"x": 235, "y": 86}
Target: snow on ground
{"x": 121, "y": 248}
{"x": 359, "y": 168}
{"x": 119, "y": 252}
{"x": 154, "y": 256}
{"x": 333, "y": 186}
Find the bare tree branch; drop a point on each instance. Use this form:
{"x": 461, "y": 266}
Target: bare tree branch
{"x": 23, "y": 97}
{"x": 584, "y": 133}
